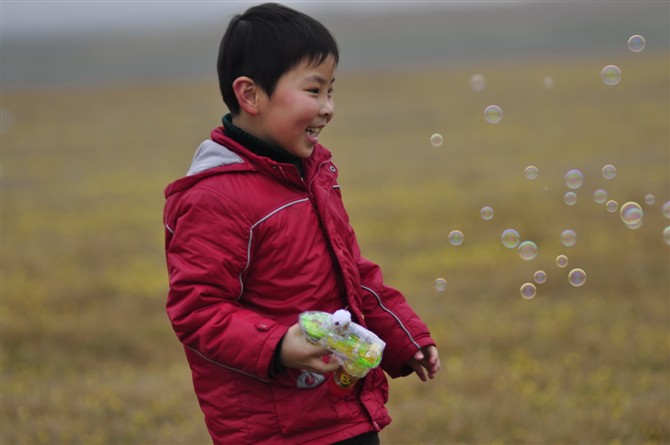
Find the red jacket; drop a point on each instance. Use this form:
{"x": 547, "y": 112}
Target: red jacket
{"x": 250, "y": 245}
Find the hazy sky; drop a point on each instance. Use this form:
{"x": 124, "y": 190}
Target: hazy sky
{"x": 34, "y": 17}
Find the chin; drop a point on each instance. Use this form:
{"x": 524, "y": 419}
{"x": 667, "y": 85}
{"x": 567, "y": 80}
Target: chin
{"x": 304, "y": 153}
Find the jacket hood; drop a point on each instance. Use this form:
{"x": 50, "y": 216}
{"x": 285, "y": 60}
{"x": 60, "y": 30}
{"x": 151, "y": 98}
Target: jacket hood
{"x": 210, "y": 158}
{"x": 209, "y": 155}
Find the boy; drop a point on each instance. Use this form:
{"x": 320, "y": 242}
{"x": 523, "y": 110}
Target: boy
{"x": 256, "y": 233}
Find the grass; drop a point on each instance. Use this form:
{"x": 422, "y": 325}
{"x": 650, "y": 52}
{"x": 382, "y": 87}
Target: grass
{"x": 88, "y": 356}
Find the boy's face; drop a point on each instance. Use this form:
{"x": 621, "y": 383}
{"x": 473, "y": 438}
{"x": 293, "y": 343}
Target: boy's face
{"x": 300, "y": 107}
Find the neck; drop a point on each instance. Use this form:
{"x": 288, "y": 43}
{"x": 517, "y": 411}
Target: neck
{"x": 258, "y": 146}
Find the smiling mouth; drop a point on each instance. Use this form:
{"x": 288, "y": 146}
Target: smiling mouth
{"x": 313, "y": 131}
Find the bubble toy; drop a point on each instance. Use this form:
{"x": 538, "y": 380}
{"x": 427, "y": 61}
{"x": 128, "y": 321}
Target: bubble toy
{"x": 357, "y": 349}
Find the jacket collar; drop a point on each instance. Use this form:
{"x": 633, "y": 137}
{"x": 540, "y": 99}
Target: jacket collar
{"x": 221, "y": 154}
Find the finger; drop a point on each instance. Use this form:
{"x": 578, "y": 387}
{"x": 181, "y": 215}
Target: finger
{"x": 434, "y": 369}
{"x": 433, "y": 355}
{"x": 418, "y": 369}
{"x": 322, "y": 367}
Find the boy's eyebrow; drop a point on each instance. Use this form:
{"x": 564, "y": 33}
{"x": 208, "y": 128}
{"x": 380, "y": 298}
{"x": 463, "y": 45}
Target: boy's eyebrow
{"x": 320, "y": 79}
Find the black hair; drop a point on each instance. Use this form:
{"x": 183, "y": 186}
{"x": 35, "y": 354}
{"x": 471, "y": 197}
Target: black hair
{"x": 265, "y": 42}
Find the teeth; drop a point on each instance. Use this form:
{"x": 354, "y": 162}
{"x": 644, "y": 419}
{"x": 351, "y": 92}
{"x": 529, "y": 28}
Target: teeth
{"x": 313, "y": 131}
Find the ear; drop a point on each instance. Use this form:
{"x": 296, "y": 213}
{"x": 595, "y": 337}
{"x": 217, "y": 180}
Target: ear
{"x": 246, "y": 91}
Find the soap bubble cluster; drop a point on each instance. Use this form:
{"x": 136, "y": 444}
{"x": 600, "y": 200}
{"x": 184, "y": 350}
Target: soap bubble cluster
{"x": 631, "y": 213}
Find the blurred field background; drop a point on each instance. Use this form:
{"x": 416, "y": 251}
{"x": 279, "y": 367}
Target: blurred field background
{"x": 95, "y": 124}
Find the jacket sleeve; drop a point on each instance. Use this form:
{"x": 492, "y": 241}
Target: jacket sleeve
{"x": 389, "y": 315}
{"x": 207, "y": 253}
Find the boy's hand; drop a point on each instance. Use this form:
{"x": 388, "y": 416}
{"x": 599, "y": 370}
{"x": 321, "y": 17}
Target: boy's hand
{"x": 298, "y": 353}
{"x": 426, "y": 359}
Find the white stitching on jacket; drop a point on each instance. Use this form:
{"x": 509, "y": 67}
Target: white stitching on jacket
{"x": 251, "y": 236}
{"x": 224, "y": 366}
{"x": 393, "y": 315}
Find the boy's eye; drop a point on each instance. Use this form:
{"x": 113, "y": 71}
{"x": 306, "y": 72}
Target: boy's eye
{"x": 317, "y": 91}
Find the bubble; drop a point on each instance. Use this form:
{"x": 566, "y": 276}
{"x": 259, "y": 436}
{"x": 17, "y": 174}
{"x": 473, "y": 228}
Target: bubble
{"x": 528, "y": 290}
{"x": 612, "y": 206}
{"x": 562, "y": 261}
{"x": 568, "y": 238}
{"x": 636, "y": 43}
{"x": 666, "y": 235}
{"x": 650, "y": 199}
{"x": 486, "y": 213}
{"x": 540, "y": 276}
{"x": 600, "y": 196}
{"x": 510, "y": 238}
{"x": 632, "y": 215}
{"x": 527, "y": 250}
{"x": 609, "y": 171}
{"x": 531, "y": 172}
{"x": 666, "y": 209}
{"x": 477, "y": 82}
{"x": 493, "y": 114}
{"x": 574, "y": 179}
{"x": 548, "y": 82}
{"x": 570, "y": 198}
{"x": 611, "y": 75}
{"x": 456, "y": 237}
{"x": 436, "y": 139}
{"x": 440, "y": 284}
{"x": 577, "y": 277}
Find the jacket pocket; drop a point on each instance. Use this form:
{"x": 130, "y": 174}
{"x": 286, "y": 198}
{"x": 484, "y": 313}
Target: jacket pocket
{"x": 310, "y": 409}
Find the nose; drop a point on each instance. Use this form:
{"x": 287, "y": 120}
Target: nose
{"x": 327, "y": 108}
